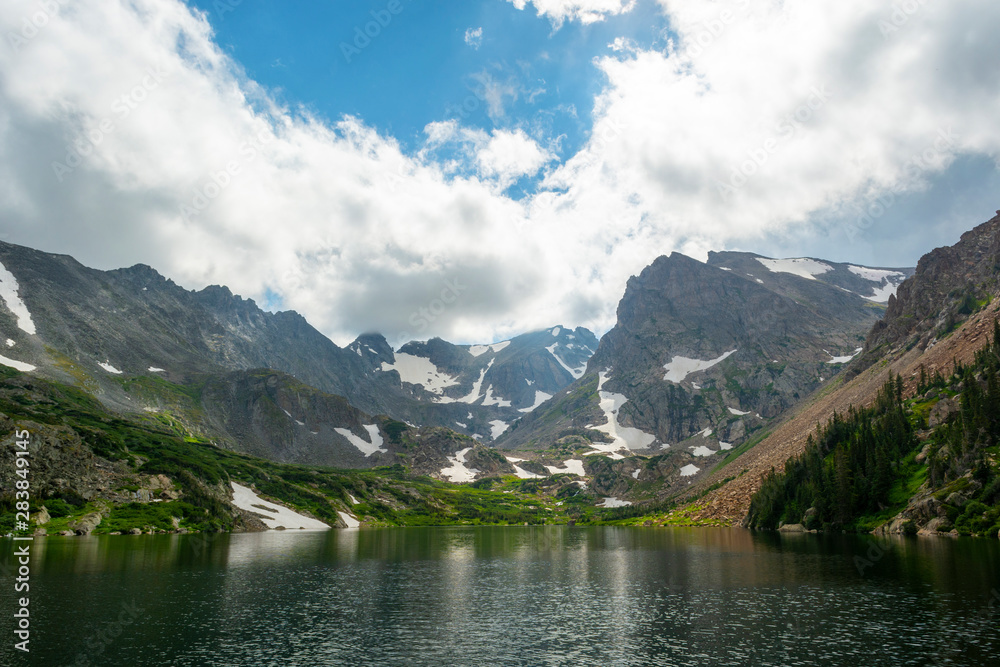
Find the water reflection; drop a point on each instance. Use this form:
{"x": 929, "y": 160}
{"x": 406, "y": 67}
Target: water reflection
{"x": 516, "y": 595}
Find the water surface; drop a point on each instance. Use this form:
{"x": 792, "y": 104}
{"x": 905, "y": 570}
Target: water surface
{"x": 510, "y": 596}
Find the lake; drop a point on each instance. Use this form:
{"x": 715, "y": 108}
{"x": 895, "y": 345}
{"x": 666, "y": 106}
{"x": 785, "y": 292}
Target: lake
{"x": 547, "y": 595}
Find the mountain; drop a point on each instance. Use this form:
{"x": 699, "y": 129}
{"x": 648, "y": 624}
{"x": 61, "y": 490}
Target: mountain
{"x": 939, "y": 317}
{"x": 703, "y": 355}
{"x": 139, "y": 342}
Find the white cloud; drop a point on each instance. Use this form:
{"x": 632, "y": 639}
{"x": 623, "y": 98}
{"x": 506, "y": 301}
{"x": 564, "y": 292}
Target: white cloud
{"x": 584, "y": 11}
{"x": 343, "y": 225}
{"x": 474, "y": 37}
{"x": 510, "y": 155}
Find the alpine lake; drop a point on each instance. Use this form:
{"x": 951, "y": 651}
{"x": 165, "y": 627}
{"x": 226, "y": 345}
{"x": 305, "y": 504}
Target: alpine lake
{"x": 535, "y": 595}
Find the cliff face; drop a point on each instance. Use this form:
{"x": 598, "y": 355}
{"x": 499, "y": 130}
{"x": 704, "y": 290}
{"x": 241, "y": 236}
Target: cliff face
{"x": 949, "y": 285}
{"x": 703, "y": 355}
{"x": 944, "y": 312}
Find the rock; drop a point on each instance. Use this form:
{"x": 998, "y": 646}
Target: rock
{"x": 135, "y": 531}
{"x": 115, "y": 532}
{"x": 941, "y": 411}
{"x": 647, "y": 523}
{"x": 956, "y": 499}
{"x": 39, "y": 532}
{"x": 279, "y": 528}
{"x": 935, "y": 526}
{"x": 86, "y": 524}
{"x": 924, "y": 453}
{"x": 41, "y": 517}
{"x": 67, "y": 533}
{"x": 792, "y": 528}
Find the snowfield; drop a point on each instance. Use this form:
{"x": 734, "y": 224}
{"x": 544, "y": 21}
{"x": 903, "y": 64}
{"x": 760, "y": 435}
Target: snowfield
{"x": 689, "y": 470}
{"x": 679, "y": 368}
{"x": 10, "y": 296}
{"x": 109, "y": 368}
{"x": 572, "y": 466}
{"x": 624, "y": 437}
{"x": 419, "y": 370}
{"x": 458, "y": 471}
{"x": 577, "y": 373}
{"x": 804, "y": 268}
{"x": 497, "y": 427}
{"x": 875, "y": 275}
{"x": 366, "y": 448}
{"x": 613, "y": 502}
{"x": 274, "y": 515}
{"x": 478, "y": 350}
{"x": 17, "y": 365}
{"x": 540, "y": 397}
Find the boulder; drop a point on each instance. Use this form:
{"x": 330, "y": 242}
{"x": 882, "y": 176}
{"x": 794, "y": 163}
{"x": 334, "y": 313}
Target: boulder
{"x": 41, "y": 517}
{"x": 941, "y": 411}
{"x": 135, "y": 531}
{"x": 936, "y": 526}
{"x": 86, "y": 524}
{"x": 956, "y": 499}
{"x": 792, "y": 528}
{"x": 67, "y": 533}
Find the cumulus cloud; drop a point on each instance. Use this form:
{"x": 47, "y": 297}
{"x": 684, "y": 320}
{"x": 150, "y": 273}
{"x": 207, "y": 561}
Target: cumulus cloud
{"x": 127, "y": 135}
{"x": 584, "y": 11}
{"x": 474, "y": 37}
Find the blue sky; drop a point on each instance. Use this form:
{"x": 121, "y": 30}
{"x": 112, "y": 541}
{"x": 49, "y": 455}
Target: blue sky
{"x": 432, "y": 61}
{"x": 244, "y": 148}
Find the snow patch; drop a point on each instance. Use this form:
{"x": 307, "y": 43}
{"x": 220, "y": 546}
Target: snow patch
{"x": 540, "y": 397}
{"x": 875, "y": 275}
{"x": 478, "y": 350}
{"x": 706, "y": 433}
{"x": 725, "y": 446}
{"x": 613, "y": 502}
{"x": 577, "y": 373}
{"x": 420, "y": 371}
{"x": 623, "y": 437}
{"x": 10, "y": 296}
{"x": 462, "y": 425}
{"x": 680, "y": 367}
{"x": 354, "y": 501}
{"x": 702, "y": 450}
{"x": 845, "y": 359}
{"x": 497, "y": 427}
{"x": 494, "y": 400}
{"x": 738, "y": 413}
{"x": 525, "y": 474}
{"x": 366, "y": 448}
{"x": 109, "y": 368}
{"x": 804, "y": 268}
{"x": 458, "y": 471}
{"x": 349, "y": 520}
{"x": 689, "y": 470}
{"x": 635, "y": 474}
{"x": 571, "y": 466}
{"x": 555, "y": 331}
{"x": 154, "y": 369}
{"x": 882, "y": 294}
{"x": 274, "y": 515}
{"x": 10, "y": 342}
{"x": 17, "y": 365}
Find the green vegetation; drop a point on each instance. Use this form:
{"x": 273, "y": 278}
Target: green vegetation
{"x": 862, "y": 469}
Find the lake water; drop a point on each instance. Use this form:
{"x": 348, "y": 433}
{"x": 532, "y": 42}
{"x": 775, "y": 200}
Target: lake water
{"x": 509, "y": 596}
